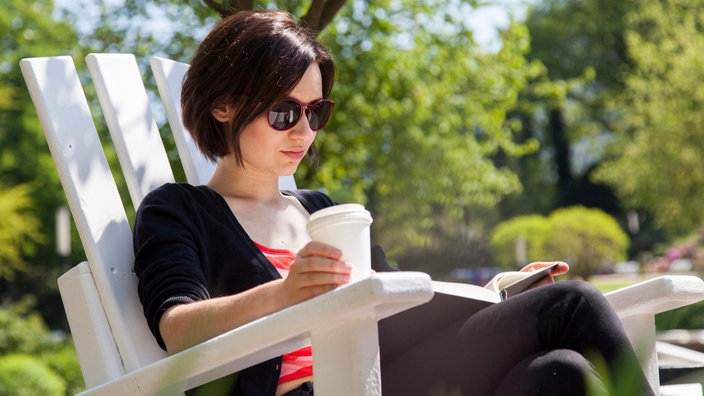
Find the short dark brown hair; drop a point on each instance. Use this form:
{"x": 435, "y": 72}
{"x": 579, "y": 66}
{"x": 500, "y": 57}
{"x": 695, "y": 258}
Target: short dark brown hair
{"x": 250, "y": 60}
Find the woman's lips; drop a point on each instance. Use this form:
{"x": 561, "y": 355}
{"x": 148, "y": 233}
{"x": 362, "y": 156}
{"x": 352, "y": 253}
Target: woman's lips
{"x": 295, "y": 154}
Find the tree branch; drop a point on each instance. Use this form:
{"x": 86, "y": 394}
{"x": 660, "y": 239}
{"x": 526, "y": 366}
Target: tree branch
{"x": 215, "y": 6}
{"x": 312, "y": 17}
{"x": 239, "y": 5}
{"x": 332, "y": 7}
{"x": 321, "y": 13}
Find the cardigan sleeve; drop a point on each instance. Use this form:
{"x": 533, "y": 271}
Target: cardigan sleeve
{"x": 166, "y": 255}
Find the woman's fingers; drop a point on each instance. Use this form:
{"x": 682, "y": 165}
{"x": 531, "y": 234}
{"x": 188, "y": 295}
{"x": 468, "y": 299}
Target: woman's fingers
{"x": 317, "y": 269}
{"x": 560, "y": 269}
{"x": 321, "y": 250}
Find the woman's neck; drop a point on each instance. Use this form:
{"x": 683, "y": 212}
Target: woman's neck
{"x": 268, "y": 217}
{"x": 233, "y": 180}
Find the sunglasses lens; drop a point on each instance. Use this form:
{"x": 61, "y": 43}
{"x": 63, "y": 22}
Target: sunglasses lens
{"x": 284, "y": 115}
{"x": 319, "y": 114}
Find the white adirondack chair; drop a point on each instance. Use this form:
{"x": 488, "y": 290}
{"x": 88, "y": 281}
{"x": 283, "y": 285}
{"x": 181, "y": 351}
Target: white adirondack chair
{"x": 116, "y": 350}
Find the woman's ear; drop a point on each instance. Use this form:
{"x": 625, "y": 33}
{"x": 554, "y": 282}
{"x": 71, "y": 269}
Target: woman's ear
{"x": 223, "y": 112}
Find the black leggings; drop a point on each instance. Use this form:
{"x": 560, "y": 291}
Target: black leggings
{"x": 560, "y": 339}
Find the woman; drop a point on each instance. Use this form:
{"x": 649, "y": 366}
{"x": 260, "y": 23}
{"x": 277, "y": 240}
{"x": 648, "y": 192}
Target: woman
{"x": 211, "y": 258}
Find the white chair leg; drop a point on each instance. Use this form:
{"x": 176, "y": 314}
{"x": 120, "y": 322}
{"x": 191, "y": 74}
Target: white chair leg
{"x": 641, "y": 332}
{"x": 336, "y": 374}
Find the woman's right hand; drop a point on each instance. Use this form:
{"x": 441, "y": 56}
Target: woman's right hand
{"x": 317, "y": 269}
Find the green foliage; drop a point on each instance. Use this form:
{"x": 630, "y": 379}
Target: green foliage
{"x": 23, "y": 333}
{"x": 64, "y": 362}
{"x": 657, "y": 162}
{"x": 421, "y": 110}
{"x": 19, "y": 230}
{"x": 689, "y": 317}
{"x": 33, "y": 360}
{"x": 26, "y": 375}
{"x": 570, "y": 36}
{"x": 531, "y": 229}
{"x": 28, "y": 178}
{"x": 569, "y": 110}
{"x": 584, "y": 238}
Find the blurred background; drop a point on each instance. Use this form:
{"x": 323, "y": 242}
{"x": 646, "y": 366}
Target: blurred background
{"x": 481, "y": 135}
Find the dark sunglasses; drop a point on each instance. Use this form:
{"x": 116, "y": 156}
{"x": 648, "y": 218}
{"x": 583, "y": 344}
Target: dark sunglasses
{"x": 285, "y": 114}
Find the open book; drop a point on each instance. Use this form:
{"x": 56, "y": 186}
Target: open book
{"x": 508, "y": 284}
{"x": 451, "y": 305}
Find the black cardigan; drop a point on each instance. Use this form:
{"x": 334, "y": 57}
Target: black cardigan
{"x": 189, "y": 246}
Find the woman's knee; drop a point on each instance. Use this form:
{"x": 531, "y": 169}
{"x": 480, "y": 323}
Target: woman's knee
{"x": 577, "y": 288}
{"x": 554, "y": 372}
{"x": 572, "y": 296}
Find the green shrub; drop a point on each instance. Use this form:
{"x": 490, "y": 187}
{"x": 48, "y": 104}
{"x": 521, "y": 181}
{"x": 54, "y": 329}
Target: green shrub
{"x": 532, "y": 229}
{"x": 24, "y": 334}
{"x": 65, "y": 363}
{"x": 584, "y": 238}
{"x": 26, "y": 375}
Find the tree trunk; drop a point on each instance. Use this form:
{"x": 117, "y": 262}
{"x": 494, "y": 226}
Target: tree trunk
{"x": 561, "y": 146}
{"x": 321, "y": 13}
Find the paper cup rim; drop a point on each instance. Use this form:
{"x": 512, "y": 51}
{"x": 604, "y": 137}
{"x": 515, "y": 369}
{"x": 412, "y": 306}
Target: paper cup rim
{"x": 339, "y": 209}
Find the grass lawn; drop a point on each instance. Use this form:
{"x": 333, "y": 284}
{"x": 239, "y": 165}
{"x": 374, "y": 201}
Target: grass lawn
{"x": 607, "y": 283}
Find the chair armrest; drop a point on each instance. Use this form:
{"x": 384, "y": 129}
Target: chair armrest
{"x": 375, "y": 297}
{"x": 638, "y": 304}
{"x": 657, "y": 295}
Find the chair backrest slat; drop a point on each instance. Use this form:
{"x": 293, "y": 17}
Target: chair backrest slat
{"x": 94, "y": 201}
{"x": 134, "y": 131}
{"x": 169, "y": 75}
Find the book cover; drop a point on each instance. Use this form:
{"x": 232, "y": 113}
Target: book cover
{"x": 451, "y": 305}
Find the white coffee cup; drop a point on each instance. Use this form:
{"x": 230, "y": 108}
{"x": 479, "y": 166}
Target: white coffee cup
{"x": 345, "y": 227}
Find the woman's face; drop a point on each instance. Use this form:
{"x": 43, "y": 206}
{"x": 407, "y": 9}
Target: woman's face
{"x": 278, "y": 153}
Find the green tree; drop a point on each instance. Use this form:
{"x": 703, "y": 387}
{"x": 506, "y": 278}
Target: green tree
{"x": 656, "y": 163}
{"x": 570, "y": 111}
{"x": 422, "y": 110}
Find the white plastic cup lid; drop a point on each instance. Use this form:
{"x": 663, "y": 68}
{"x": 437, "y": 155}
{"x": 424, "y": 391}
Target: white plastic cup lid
{"x": 338, "y": 209}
